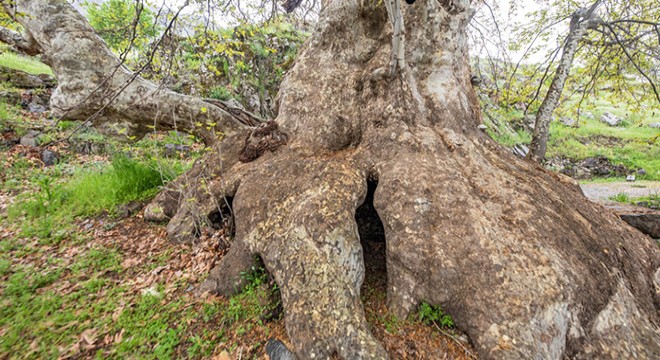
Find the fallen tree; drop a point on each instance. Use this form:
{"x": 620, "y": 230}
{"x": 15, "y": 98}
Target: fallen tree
{"x": 525, "y": 265}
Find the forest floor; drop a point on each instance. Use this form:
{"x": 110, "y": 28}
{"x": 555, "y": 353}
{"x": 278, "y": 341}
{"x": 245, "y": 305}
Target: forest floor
{"x": 76, "y": 282}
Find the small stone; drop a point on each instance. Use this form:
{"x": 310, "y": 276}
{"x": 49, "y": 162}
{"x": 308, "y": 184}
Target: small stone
{"x": 641, "y": 172}
{"x": 49, "y": 158}
{"x": 655, "y": 125}
{"x": 151, "y": 291}
{"x": 630, "y": 178}
{"x": 482, "y": 127}
{"x": 223, "y": 356}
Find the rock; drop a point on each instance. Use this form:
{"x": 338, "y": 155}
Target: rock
{"x": 610, "y": 119}
{"x": 88, "y": 147}
{"x": 655, "y": 125}
{"x": 630, "y": 178}
{"x": 49, "y": 81}
{"x": 520, "y": 106}
{"x": 589, "y": 115}
{"x": 601, "y": 166}
{"x": 521, "y": 150}
{"x": 276, "y": 350}
{"x": 30, "y": 139}
{"x": 172, "y": 150}
{"x": 568, "y": 121}
{"x": 235, "y": 104}
{"x": 647, "y": 223}
{"x": 482, "y": 127}
{"x": 36, "y": 108}
{"x": 10, "y": 97}
{"x": 49, "y": 158}
{"x": 526, "y": 123}
{"x": 641, "y": 172}
{"x": 20, "y": 79}
{"x": 151, "y": 291}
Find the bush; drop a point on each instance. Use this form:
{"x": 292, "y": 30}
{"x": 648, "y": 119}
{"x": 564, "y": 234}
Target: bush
{"x": 433, "y": 314}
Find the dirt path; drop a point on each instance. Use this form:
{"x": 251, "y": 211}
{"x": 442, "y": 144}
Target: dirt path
{"x": 602, "y": 192}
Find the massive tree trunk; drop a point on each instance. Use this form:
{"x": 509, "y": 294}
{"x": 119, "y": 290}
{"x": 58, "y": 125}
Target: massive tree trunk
{"x": 520, "y": 259}
{"x": 581, "y": 21}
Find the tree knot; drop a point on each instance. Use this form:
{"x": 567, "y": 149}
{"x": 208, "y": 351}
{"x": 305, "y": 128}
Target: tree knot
{"x": 265, "y": 137}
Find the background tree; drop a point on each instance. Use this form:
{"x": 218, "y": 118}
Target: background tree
{"x": 615, "y": 42}
{"x": 522, "y": 263}
{"x": 123, "y": 24}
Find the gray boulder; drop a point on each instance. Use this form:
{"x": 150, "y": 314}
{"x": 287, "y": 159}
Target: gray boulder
{"x": 568, "y": 121}
{"x": 20, "y": 79}
{"x": 521, "y": 150}
{"x": 655, "y": 125}
{"x": 647, "y": 223}
{"x": 276, "y": 350}
{"x": 610, "y": 119}
{"x": 11, "y": 97}
{"x": 172, "y": 150}
{"x": 30, "y": 139}
{"x": 49, "y": 158}
{"x": 36, "y": 108}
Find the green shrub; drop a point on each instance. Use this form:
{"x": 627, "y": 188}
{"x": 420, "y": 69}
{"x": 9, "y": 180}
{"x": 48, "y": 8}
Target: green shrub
{"x": 433, "y": 314}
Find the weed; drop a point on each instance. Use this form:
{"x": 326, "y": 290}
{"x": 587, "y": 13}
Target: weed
{"x": 620, "y": 197}
{"x": 433, "y": 314}
{"x": 392, "y": 322}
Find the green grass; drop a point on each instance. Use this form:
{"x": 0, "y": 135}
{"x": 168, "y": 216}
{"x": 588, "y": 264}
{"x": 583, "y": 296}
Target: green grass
{"x": 24, "y": 63}
{"x": 10, "y": 118}
{"x": 49, "y": 307}
{"x": 48, "y": 212}
{"x": 124, "y": 181}
{"x": 634, "y": 147}
{"x": 620, "y": 197}
{"x": 646, "y": 201}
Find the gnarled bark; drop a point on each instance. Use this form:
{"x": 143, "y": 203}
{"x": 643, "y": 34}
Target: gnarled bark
{"x": 519, "y": 258}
